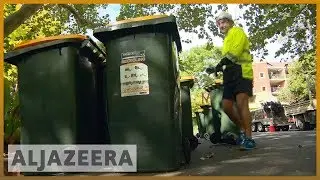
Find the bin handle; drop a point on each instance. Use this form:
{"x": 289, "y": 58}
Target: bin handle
{"x": 88, "y": 48}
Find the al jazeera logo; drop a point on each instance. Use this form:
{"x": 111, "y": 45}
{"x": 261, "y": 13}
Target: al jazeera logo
{"x": 72, "y": 158}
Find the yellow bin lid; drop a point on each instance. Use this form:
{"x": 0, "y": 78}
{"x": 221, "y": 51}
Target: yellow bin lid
{"x": 142, "y": 18}
{"x": 34, "y": 42}
{"x": 218, "y": 81}
{"x": 135, "y": 25}
{"x": 187, "y": 79}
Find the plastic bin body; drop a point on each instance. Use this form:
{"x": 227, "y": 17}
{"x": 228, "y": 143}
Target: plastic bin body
{"x": 143, "y": 94}
{"x": 58, "y": 92}
{"x": 187, "y": 125}
{"x": 200, "y": 123}
{"x": 186, "y": 83}
{"x": 208, "y": 119}
{"x": 221, "y": 121}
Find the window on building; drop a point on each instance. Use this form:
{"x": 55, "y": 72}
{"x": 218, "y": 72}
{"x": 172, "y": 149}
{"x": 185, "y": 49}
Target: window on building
{"x": 261, "y": 75}
{"x": 263, "y": 88}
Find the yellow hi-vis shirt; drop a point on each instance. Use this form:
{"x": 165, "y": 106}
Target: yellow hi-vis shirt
{"x": 236, "y": 48}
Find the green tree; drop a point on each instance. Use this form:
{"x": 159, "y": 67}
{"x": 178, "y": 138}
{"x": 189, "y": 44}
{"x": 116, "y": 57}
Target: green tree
{"x": 193, "y": 63}
{"x": 302, "y": 80}
{"x": 73, "y": 18}
{"x": 190, "y": 17}
{"x": 292, "y": 24}
{"x": 196, "y": 60}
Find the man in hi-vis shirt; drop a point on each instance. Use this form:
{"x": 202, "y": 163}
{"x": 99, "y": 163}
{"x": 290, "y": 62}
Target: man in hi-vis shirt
{"x": 236, "y": 66}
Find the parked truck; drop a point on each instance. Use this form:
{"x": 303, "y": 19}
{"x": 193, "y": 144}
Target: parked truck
{"x": 270, "y": 113}
{"x": 302, "y": 115}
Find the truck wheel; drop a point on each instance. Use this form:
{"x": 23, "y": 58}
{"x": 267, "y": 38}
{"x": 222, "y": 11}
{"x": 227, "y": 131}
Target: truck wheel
{"x": 306, "y": 126}
{"x": 300, "y": 125}
{"x": 254, "y": 127}
{"x": 285, "y": 128}
{"x": 260, "y": 127}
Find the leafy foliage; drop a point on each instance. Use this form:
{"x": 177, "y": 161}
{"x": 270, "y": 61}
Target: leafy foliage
{"x": 293, "y": 25}
{"x": 54, "y": 19}
{"x": 11, "y": 113}
{"x": 194, "y": 62}
{"x": 302, "y": 79}
{"x": 273, "y": 109}
{"x": 190, "y": 17}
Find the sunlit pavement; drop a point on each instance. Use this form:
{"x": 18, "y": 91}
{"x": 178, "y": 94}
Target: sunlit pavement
{"x": 277, "y": 153}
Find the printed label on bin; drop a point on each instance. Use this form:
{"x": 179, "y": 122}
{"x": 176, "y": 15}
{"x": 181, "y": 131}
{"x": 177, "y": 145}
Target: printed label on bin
{"x": 132, "y": 57}
{"x": 206, "y": 97}
{"x": 134, "y": 79}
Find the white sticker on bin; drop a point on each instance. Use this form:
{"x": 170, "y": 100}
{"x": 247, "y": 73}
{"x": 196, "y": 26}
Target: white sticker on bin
{"x": 134, "y": 79}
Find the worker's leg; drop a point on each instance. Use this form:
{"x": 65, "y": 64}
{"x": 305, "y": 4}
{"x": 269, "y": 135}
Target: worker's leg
{"x": 232, "y": 77}
{"x": 245, "y": 115}
{"x": 232, "y": 114}
{"x": 243, "y": 92}
{"x": 228, "y": 106}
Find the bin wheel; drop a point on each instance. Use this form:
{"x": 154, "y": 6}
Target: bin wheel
{"x": 206, "y": 136}
{"x": 214, "y": 139}
{"x": 186, "y": 150}
{"x": 198, "y": 135}
{"x": 193, "y": 142}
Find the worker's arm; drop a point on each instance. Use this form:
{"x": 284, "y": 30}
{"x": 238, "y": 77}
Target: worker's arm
{"x": 234, "y": 44}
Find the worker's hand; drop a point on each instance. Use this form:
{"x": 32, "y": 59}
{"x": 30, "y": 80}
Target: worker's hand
{"x": 224, "y": 61}
{"x": 210, "y": 70}
{"x": 219, "y": 67}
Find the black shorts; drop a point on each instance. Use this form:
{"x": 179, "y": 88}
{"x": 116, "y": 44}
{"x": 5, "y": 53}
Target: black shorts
{"x": 234, "y": 83}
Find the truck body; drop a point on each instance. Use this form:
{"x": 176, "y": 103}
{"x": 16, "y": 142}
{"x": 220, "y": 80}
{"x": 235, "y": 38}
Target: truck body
{"x": 270, "y": 113}
{"x": 302, "y": 115}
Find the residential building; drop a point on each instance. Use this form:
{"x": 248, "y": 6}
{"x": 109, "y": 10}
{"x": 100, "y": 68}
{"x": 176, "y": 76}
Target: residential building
{"x": 269, "y": 79}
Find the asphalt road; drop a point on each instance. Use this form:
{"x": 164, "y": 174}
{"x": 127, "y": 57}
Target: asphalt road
{"x": 277, "y": 153}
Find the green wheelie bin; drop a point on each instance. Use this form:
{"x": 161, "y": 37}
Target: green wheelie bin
{"x": 208, "y": 120}
{"x": 57, "y": 82}
{"x": 186, "y": 83}
{"x": 223, "y": 125}
{"x": 143, "y": 89}
{"x": 200, "y": 124}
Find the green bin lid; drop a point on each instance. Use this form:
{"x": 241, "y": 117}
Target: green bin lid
{"x": 163, "y": 23}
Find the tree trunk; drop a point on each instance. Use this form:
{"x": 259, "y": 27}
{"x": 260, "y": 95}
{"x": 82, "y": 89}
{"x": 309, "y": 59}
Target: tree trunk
{"x": 13, "y": 21}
